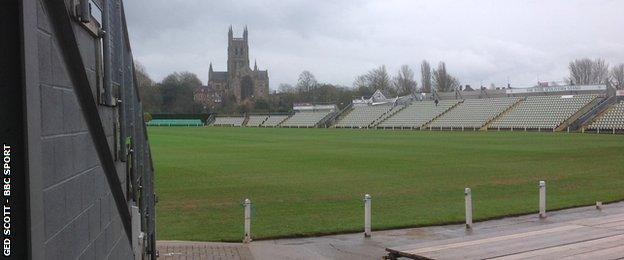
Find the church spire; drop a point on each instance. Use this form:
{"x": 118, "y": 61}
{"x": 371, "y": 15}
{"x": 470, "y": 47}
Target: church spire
{"x": 210, "y": 72}
{"x": 245, "y": 33}
{"x": 255, "y": 65}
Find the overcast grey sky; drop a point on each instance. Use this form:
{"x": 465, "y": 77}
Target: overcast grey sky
{"x": 481, "y": 42}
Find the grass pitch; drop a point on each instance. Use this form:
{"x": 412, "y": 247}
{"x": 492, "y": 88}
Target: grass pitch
{"x": 311, "y": 181}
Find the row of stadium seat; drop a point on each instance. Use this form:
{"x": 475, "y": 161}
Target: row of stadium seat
{"x": 299, "y": 119}
{"x": 542, "y": 112}
{"x": 473, "y": 113}
{"x": 612, "y": 119}
{"x": 534, "y": 112}
{"x": 364, "y": 116}
{"x": 229, "y": 121}
{"x": 265, "y": 120}
{"x": 537, "y": 112}
{"x": 256, "y": 120}
{"x": 306, "y": 118}
{"x": 274, "y": 120}
{"x": 417, "y": 114}
{"x": 252, "y": 121}
{"x": 175, "y": 122}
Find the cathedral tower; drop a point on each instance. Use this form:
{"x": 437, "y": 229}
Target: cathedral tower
{"x": 239, "y": 80}
{"x": 238, "y": 53}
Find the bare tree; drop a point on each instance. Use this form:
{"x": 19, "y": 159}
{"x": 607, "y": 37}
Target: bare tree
{"x": 588, "y": 72}
{"x": 617, "y": 76}
{"x": 442, "y": 81}
{"x": 149, "y": 92}
{"x": 307, "y": 82}
{"x": 375, "y": 79}
{"x": 404, "y": 81}
{"x": 286, "y": 88}
{"x": 425, "y": 76}
{"x": 361, "y": 84}
{"x": 379, "y": 78}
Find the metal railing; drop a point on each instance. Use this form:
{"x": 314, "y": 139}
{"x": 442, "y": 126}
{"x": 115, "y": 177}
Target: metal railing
{"x": 591, "y": 114}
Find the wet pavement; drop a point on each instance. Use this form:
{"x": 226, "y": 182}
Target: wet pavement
{"x": 355, "y": 246}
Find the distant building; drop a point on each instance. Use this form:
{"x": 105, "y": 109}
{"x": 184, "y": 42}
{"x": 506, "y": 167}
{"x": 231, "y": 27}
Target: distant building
{"x": 239, "y": 80}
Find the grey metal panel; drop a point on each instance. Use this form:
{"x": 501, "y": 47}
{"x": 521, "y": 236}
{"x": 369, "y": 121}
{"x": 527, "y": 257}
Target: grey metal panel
{"x": 79, "y": 217}
{"x": 31, "y": 25}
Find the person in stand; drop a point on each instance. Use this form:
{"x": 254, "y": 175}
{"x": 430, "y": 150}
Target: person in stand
{"x": 436, "y": 102}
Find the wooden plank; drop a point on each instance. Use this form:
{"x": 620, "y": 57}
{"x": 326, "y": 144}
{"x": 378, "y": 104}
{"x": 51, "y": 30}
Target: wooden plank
{"x": 598, "y": 220}
{"x": 589, "y": 237}
{"x": 520, "y": 245}
{"x": 493, "y": 239}
{"x": 614, "y": 225}
{"x": 610, "y": 253}
{"x": 570, "y": 250}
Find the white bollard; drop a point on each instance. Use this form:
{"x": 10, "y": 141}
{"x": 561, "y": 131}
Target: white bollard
{"x": 468, "y": 198}
{"x": 247, "y": 206}
{"x": 599, "y": 205}
{"x": 542, "y": 199}
{"x": 367, "y": 215}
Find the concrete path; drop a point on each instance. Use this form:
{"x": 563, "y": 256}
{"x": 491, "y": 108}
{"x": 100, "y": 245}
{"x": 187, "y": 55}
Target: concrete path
{"x": 355, "y": 246}
{"x": 183, "y": 250}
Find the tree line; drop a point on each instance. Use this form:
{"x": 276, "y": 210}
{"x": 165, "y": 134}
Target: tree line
{"x": 174, "y": 94}
{"x": 589, "y": 72}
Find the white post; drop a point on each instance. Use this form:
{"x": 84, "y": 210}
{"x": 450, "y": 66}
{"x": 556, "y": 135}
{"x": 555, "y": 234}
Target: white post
{"x": 367, "y": 215}
{"x": 599, "y": 205}
{"x": 247, "y": 205}
{"x": 468, "y": 198}
{"x": 542, "y": 199}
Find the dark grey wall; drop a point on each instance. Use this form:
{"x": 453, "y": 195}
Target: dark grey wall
{"x": 74, "y": 214}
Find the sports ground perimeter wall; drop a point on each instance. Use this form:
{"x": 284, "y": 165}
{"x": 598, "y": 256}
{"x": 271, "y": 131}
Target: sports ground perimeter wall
{"x": 88, "y": 170}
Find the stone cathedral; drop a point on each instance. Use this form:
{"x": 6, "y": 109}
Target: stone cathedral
{"x": 239, "y": 80}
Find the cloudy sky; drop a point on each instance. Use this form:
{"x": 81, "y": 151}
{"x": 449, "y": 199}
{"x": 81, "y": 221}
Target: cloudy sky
{"x": 482, "y": 42}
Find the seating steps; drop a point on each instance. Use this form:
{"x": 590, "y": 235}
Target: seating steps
{"x": 612, "y": 119}
{"x": 473, "y": 113}
{"x": 305, "y": 118}
{"x": 363, "y": 116}
{"x": 256, "y": 120}
{"x": 417, "y": 114}
{"x": 542, "y": 112}
{"x": 274, "y": 120}
{"x": 229, "y": 121}
{"x": 175, "y": 122}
